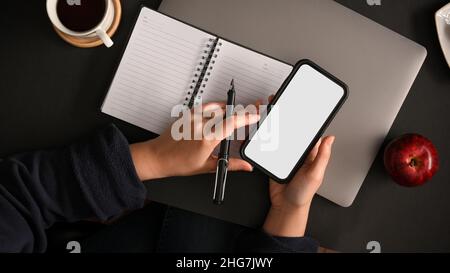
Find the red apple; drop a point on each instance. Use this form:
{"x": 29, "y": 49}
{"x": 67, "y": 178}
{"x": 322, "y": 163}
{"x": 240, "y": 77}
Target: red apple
{"x": 411, "y": 160}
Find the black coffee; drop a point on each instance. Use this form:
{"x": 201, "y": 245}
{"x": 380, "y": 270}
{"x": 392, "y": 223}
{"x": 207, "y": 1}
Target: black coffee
{"x": 80, "y": 15}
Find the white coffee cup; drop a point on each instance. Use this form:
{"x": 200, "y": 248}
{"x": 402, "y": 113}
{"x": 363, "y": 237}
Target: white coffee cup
{"x": 99, "y": 30}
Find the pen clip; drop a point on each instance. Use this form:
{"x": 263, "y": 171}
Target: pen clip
{"x": 220, "y": 196}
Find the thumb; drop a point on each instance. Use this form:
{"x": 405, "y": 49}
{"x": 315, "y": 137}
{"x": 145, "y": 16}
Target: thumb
{"x": 323, "y": 156}
{"x": 234, "y": 165}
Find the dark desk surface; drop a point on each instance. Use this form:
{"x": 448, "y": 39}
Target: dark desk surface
{"x": 50, "y": 94}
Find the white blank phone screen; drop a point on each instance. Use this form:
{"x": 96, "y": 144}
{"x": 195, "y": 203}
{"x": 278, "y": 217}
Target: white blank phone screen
{"x": 294, "y": 121}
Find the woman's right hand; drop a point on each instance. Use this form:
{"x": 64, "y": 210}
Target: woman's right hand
{"x": 165, "y": 156}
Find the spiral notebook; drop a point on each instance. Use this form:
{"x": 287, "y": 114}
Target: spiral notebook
{"x": 168, "y": 63}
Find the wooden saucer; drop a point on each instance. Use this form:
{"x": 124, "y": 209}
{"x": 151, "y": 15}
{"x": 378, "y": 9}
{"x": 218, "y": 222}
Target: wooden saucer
{"x": 94, "y": 41}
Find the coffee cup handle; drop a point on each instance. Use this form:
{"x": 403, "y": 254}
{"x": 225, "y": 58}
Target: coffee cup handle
{"x": 104, "y": 37}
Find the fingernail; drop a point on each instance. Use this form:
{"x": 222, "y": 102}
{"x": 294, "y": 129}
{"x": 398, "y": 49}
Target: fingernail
{"x": 332, "y": 140}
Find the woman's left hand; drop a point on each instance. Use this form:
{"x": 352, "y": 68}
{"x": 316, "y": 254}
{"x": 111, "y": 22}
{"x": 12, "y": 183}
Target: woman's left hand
{"x": 166, "y": 157}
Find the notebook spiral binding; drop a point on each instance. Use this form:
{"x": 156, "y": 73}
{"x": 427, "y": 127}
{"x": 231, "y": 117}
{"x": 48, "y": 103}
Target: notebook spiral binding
{"x": 202, "y": 73}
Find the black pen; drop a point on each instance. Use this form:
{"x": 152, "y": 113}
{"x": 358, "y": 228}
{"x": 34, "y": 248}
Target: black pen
{"x": 222, "y": 162}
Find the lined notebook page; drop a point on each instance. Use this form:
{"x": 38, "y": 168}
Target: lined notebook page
{"x": 155, "y": 72}
{"x": 255, "y": 77}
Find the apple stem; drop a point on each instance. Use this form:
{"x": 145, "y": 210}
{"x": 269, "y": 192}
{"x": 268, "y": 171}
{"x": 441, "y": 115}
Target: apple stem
{"x": 413, "y": 163}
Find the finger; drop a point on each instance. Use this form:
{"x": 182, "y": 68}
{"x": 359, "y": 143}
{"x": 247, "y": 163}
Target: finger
{"x": 258, "y": 104}
{"x": 210, "y": 165}
{"x": 312, "y": 155}
{"x": 323, "y": 156}
{"x": 240, "y": 120}
{"x": 236, "y": 164}
{"x": 210, "y": 106}
{"x": 212, "y": 110}
{"x": 225, "y": 128}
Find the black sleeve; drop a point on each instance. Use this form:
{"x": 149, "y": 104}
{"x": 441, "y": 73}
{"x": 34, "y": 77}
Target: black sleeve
{"x": 257, "y": 241}
{"x": 92, "y": 179}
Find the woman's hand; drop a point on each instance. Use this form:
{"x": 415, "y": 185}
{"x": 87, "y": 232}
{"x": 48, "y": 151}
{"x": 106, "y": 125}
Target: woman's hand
{"x": 288, "y": 214}
{"x": 165, "y": 156}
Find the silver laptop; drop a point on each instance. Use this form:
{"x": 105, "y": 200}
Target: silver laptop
{"x": 377, "y": 64}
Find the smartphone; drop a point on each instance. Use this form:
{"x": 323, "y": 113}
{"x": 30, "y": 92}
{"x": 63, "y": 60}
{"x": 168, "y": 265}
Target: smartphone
{"x": 294, "y": 121}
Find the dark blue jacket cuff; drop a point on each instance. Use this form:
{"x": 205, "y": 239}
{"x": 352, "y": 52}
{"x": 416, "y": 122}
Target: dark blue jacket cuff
{"x": 257, "y": 241}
